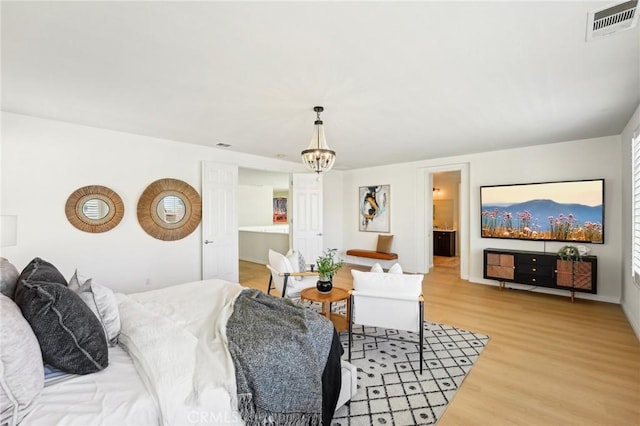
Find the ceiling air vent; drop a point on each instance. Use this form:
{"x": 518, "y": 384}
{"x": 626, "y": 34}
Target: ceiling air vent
{"x": 612, "y": 19}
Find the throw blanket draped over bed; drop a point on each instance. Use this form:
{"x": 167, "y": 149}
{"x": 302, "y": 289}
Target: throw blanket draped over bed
{"x": 176, "y": 338}
{"x": 191, "y": 343}
{"x": 279, "y": 350}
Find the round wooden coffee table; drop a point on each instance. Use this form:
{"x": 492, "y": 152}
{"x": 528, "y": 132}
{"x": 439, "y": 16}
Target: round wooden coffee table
{"x": 341, "y": 322}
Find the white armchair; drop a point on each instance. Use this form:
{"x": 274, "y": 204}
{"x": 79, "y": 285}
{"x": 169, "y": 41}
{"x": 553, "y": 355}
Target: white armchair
{"x": 285, "y": 279}
{"x": 388, "y": 300}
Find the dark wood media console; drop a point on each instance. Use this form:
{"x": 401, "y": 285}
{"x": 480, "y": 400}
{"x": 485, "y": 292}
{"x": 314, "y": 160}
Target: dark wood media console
{"x": 541, "y": 269}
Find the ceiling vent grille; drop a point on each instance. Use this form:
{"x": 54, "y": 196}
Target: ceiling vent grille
{"x": 612, "y": 19}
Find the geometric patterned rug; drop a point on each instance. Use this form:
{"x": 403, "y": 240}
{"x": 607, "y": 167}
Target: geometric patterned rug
{"x": 391, "y": 390}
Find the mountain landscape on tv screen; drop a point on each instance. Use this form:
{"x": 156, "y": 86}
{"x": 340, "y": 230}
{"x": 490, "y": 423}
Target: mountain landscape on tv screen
{"x": 543, "y": 219}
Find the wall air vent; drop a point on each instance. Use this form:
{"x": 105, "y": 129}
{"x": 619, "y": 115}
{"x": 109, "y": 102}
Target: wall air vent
{"x": 612, "y": 19}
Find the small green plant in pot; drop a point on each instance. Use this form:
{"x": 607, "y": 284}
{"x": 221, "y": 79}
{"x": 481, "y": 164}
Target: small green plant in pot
{"x": 327, "y": 266}
{"x": 570, "y": 252}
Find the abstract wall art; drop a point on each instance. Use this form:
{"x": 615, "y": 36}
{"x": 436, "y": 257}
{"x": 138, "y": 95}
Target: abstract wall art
{"x": 374, "y": 208}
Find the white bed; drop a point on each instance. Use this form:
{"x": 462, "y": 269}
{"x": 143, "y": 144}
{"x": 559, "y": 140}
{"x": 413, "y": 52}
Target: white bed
{"x": 171, "y": 367}
{"x": 160, "y": 373}
{"x": 113, "y": 397}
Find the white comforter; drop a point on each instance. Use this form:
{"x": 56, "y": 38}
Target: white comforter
{"x": 177, "y": 339}
{"x": 114, "y": 396}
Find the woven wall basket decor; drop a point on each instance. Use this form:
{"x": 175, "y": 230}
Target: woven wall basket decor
{"x": 94, "y": 208}
{"x": 169, "y": 209}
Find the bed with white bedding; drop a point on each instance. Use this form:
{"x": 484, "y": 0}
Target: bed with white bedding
{"x": 172, "y": 366}
{"x": 177, "y": 341}
{"x": 115, "y": 396}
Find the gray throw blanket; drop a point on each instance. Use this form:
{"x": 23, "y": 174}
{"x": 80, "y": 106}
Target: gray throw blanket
{"x": 279, "y": 350}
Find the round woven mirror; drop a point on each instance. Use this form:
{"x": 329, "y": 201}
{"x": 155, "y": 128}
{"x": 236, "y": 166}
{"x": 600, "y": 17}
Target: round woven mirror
{"x": 94, "y": 208}
{"x": 169, "y": 209}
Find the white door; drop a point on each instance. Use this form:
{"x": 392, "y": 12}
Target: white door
{"x": 219, "y": 221}
{"x": 306, "y": 220}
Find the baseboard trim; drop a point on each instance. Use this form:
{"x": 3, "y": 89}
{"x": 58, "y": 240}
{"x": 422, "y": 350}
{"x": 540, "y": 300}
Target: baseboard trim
{"x": 254, "y": 260}
{"x": 556, "y": 292}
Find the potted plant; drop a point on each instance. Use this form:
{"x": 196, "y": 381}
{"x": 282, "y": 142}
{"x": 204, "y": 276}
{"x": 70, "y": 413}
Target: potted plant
{"x": 571, "y": 253}
{"x": 327, "y": 266}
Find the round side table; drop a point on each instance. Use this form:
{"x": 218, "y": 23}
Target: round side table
{"x": 341, "y": 322}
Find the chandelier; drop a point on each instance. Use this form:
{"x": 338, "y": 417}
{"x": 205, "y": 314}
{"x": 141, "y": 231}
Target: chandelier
{"x": 318, "y": 157}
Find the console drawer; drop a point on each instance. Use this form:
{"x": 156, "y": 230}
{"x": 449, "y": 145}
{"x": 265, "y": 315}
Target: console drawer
{"x": 532, "y": 279}
{"x": 534, "y": 259}
{"x": 535, "y": 269}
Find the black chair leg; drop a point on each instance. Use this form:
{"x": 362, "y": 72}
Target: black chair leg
{"x": 421, "y": 325}
{"x": 350, "y": 325}
{"x": 270, "y": 283}
{"x": 284, "y": 286}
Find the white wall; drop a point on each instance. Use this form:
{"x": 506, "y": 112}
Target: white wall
{"x": 630, "y": 292}
{"x": 332, "y": 219}
{"x": 584, "y": 159}
{"x": 44, "y": 161}
{"x": 401, "y": 209}
{"x": 254, "y": 246}
{"x": 255, "y": 205}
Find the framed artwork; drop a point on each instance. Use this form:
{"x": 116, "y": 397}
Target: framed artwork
{"x": 280, "y": 210}
{"x": 547, "y": 211}
{"x": 373, "y": 211}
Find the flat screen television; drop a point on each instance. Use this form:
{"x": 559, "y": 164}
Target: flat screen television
{"x": 547, "y": 211}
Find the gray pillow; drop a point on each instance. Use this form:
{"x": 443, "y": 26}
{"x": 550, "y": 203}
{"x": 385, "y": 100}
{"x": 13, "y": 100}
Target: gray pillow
{"x": 21, "y": 372}
{"x": 41, "y": 270}
{"x": 8, "y": 278}
{"x": 102, "y": 302}
{"x": 70, "y": 336}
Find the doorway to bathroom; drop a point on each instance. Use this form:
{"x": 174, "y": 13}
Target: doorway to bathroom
{"x": 446, "y": 221}
{"x": 453, "y": 186}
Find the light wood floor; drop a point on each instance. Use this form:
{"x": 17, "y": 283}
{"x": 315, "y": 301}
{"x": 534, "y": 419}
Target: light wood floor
{"x": 548, "y": 361}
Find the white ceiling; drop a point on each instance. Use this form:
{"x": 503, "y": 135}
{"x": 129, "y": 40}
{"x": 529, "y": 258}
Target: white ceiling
{"x": 400, "y": 81}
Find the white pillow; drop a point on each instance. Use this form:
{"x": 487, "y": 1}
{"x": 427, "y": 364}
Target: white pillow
{"x": 395, "y": 269}
{"x": 293, "y": 257}
{"x": 22, "y": 371}
{"x": 376, "y": 268}
{"x": 102, "y": 302}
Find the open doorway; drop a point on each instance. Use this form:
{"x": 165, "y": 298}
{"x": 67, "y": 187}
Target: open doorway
{"x": 424, "y": 217}
{"x": 263, "y": 213}
{"x": 446, "y": 221}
